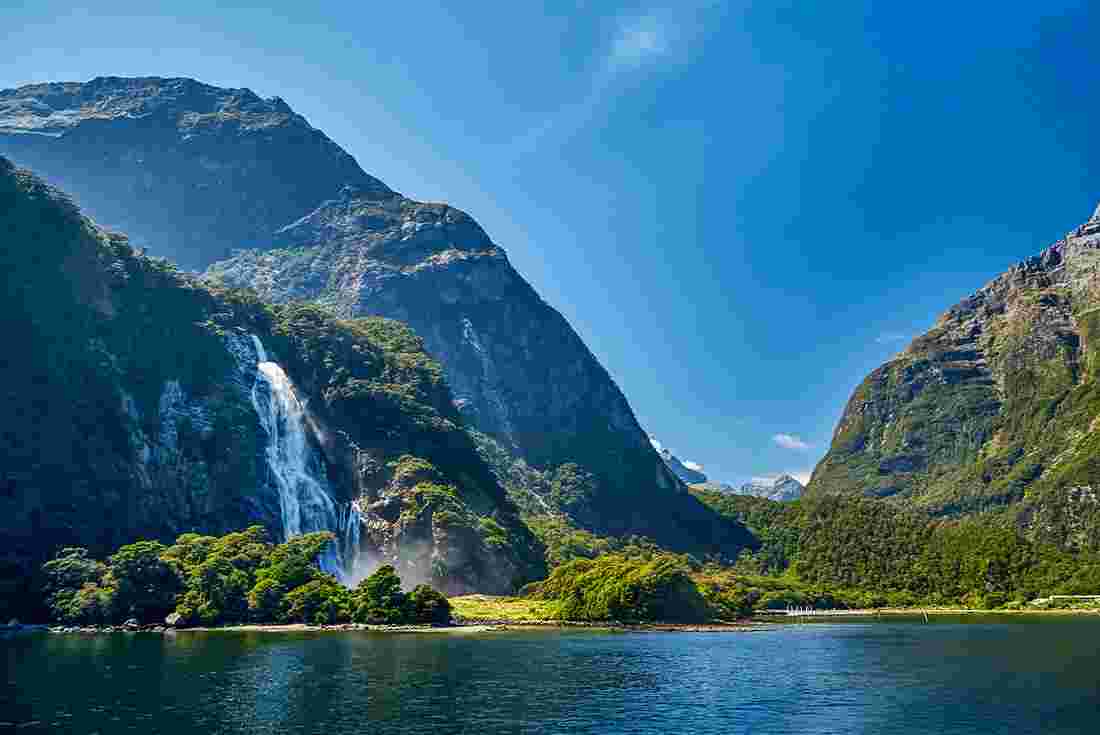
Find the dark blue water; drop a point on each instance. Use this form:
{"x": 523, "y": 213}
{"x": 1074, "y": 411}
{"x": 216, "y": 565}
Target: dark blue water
{"x": 986, "y": 676}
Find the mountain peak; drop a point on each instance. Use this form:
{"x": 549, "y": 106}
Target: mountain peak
{"x": 241, "y": 166}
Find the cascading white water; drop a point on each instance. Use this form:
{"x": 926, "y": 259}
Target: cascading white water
{"x": 298, "y": 472}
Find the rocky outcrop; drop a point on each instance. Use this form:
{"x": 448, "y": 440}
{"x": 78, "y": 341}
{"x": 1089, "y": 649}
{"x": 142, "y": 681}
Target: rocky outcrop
{"x": 195, "y": 171}
{"x": 997, "y": 407}
{"x": 141, "y": 403}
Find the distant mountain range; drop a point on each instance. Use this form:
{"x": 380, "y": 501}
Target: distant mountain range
{"x": 781, "y": 488}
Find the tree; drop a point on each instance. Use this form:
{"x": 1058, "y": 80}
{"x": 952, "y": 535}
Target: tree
{"x": 378, "y": 599}
{"x": 322, "y": 601}
{"x": 147, "y": 584}
{"x": 428, "y": 606}
{"x": 74, "y": 591}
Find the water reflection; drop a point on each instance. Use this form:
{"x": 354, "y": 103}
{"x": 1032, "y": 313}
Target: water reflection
{"x": 986, "y": 676}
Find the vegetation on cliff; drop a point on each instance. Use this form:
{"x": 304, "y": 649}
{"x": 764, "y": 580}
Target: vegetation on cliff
{"x": 127, "y": 414}
{"x": 993, "y": 410}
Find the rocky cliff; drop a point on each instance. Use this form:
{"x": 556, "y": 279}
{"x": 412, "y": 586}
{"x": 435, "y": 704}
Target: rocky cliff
{"x": 139, "y": 402}
{"x": 996, "y": 408}
{"x": 207, "y": 169}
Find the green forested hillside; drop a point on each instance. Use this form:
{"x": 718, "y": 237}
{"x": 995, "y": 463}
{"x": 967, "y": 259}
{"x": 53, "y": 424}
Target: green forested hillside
{"x": 129, "y": 412}
{"x": 867, "y": 550}
{"x": 995, "y": 409}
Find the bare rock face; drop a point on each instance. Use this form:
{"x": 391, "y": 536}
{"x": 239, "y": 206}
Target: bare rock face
{"x": 996, "y": 407}
{"x": 196, "y": 171}
{"x": 189, "y": 169}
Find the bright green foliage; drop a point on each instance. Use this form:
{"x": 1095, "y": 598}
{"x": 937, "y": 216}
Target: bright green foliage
{"x": 429, "y": 607}
{"x": 866, "y": 553}
{"x": 378, "y": 599}
{"x": 71, "y": 585}
{"x": 219, "y": 574}
{"x": 776, "y": 525}
{"x": 238, "y": 577}
{"x": 321, "y": 601}
{"x": 146, "y": 584}
{"x": 294, "y": 563}
{"x": 981, "y": 561}
{"x": 265, "y": 600}
{"x": 617, "y": 587}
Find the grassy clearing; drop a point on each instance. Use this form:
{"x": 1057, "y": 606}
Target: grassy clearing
{"x": 511, "y": 609}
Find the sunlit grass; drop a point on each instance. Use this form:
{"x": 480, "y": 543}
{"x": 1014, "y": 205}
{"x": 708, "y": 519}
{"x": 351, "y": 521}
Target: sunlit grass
{"x": 511, "y": 609}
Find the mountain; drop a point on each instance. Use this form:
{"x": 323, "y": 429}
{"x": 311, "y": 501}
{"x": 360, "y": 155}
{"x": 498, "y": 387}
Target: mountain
{"x": 781, "y": 488}
{"x": 140, "y": 402}
{"x": 689, "y": 475}
{"x": 190, "y": 170}
{"x": 194, "y": 171}
{"x": 996, "y": 408}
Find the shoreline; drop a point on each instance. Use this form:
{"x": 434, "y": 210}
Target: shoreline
{"x": 917, "y": 612}
{"x": 760, "y": 621}
{"x": 465, "y": 627}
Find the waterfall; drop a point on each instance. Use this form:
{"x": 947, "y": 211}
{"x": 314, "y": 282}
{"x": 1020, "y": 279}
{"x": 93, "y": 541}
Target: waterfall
{"x": 297, "y": 471}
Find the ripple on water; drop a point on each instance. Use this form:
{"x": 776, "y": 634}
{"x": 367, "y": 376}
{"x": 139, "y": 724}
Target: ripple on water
{"x": 977, "y": 677}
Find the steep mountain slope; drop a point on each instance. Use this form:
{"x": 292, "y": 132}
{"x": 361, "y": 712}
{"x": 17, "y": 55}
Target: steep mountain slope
{"x": 689, "y": 475}
{"x": 140, "y": 403}
{"x": 997, "y": 407}
{"x": 189, "y": 169}
{"x": 226, "y": 168}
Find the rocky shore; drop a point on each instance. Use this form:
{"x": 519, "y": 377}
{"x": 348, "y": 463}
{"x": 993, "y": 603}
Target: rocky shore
{"x": 465, "y": 626}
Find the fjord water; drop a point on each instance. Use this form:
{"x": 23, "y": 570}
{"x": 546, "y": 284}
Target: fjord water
{"x": 982, "y": 676}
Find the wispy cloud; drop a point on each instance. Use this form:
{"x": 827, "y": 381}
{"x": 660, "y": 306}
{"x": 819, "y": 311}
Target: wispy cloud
{"x": 638, "y": 40}
{"x": 656, "y": 444}
{"x": 693, "y": 466}
{"x": 891, "y": 338}
{"x": 634, "y": 44}
{"x": 790, "y": 441}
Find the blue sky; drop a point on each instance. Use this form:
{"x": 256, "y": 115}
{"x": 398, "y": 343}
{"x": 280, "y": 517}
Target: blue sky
{"x": 741, "y": 207}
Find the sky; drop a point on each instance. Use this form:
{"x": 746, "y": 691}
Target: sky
{"x": 741, "y": 207}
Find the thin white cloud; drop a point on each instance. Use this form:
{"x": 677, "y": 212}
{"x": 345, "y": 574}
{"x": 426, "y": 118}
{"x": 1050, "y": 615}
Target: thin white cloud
{"x": 693, "y": 466}
{"x": 891, "y": 337}
{"x": 790, "y": 441}
{"x": 637, "y": 43}
{"x": 802, "y": 476}
{"x": 638, "y": 40}
{"x": 656, "y": 444}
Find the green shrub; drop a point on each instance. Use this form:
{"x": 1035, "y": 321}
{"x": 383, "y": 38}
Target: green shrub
{"x": 429, "y": 607}
{"x": 379, "y": 600}
{"x": 322, "y": 601}
{"x": 617, "y": 587}
{"x": 146, "y": 584}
